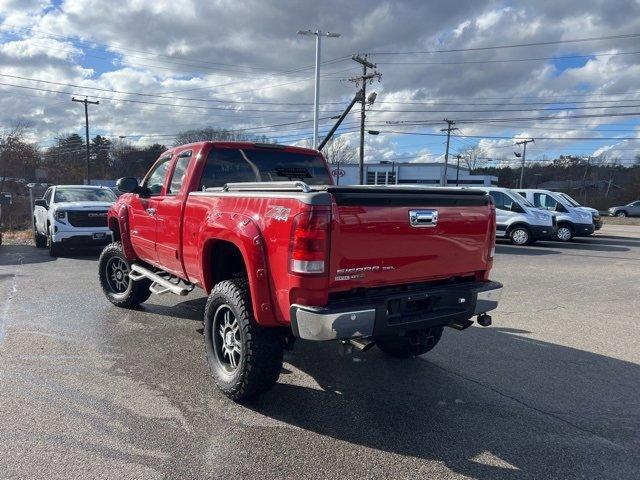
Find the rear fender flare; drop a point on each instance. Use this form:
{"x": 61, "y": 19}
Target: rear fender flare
{"x": 242, "y": 232}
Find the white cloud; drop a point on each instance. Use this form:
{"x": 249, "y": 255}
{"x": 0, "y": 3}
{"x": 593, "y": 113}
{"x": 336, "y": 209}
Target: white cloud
{"x": 248, "y": 51}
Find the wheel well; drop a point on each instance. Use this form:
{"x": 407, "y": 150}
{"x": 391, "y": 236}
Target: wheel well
{"x": 226, "y": 262}
{"x": 114, "y": 226}
{"x": 565, "y": 224}
{"x": 516, "y": 225}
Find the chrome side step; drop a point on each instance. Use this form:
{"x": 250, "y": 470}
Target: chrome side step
{"x": 160, "y": 285}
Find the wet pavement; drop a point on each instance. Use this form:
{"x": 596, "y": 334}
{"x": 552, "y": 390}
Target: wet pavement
{"x": 88, "y": 390}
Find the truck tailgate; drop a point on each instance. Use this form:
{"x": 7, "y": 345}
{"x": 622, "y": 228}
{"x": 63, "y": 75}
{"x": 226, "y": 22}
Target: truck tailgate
{"x": 376, "y": 243}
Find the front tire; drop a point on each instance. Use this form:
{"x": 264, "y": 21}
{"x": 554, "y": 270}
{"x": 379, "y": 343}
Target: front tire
{"x": 244, "y": 358}
{"x": 411, "y": 345}
{"x": 564, "y": 233}
{"x": 113, "y": 271}
{"x": 520, "y": 236}
{"x": 55, "y": 248}
{"x": 38, "y": 239}
{"x": 621, "y": 214}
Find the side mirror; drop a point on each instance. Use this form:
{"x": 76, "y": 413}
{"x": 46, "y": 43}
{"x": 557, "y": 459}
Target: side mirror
{"x": 515, "y": 207}
{"x": 127, "y": 185}
{"x": 41, "y": 202}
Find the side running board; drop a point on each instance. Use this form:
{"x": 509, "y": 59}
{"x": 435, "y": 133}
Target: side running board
{"x": 160, "y": 284}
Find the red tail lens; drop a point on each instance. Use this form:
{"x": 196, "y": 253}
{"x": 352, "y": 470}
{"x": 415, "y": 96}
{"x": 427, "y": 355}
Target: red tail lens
{"x": 310, "y": 242}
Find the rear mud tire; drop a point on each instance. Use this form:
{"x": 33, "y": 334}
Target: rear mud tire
{"x": 118, "y": 287}
{"x": 409, "y": 346}
{"x": 245, "y": 359}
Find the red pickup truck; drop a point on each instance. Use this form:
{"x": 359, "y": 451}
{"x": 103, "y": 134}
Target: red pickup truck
{"x": 283, "y": 253}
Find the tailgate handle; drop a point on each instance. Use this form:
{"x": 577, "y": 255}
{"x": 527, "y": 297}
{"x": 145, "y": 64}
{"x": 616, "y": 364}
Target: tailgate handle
{"x": 423, "y": 218}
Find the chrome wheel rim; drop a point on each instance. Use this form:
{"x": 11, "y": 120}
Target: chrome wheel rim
{"x": 520, "y": 237}
{"x": 564, "y": 233}
{"x": 620, "y": 214}
{"x": 117, "y": 275}
{"x": 226, "y": 338}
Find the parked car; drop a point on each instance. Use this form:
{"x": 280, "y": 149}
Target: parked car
{"x": 72, "y": 215}
{"x": 518, "y": 220}
{"x": 284, "y": 254}
{"x": 629, "y": 210}
{"x": 572, "y": 222}
{"x": 595, "y": 214}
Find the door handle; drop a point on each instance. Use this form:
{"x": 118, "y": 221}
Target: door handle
{"x": 151, "y": 211}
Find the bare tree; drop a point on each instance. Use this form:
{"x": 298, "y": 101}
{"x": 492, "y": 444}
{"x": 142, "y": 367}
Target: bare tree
{"x": 215, "y": 134}
{"x": 18, "y": 157}
{"x": 474, "y": 157}
{"x": 339, "y": 151}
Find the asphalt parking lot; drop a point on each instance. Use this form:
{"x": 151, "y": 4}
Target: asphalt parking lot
{"x": 551, "y": 390}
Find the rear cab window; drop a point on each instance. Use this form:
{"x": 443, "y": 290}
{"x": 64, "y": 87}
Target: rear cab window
{"x": 230, "y": 165}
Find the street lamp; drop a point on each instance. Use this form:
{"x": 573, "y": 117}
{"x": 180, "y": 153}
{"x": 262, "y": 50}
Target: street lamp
{"x": 316, "y": 94}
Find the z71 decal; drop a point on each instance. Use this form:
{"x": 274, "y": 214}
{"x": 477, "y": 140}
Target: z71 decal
{"x": 279, "y": 213}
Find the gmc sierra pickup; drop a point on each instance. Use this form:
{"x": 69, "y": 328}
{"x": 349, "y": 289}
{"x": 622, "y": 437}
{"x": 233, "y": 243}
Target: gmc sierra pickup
{"x": 282, "y": 253}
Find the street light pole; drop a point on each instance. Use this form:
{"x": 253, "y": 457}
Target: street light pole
{"x": 316, "y": 90}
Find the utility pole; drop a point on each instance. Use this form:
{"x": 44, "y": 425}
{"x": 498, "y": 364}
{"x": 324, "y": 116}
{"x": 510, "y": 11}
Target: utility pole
{"x": 458, "y": 169}
{"x": 316, "y": 90}
{"x": 363, "y": 102}
{"x": 524, "y": 156}
{"x": 584, "y": 181}
{"x": 449, "y": 129}
{"x": 86, "y": 123}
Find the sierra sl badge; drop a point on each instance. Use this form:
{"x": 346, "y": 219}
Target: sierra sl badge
{"x": 356, "y": 273}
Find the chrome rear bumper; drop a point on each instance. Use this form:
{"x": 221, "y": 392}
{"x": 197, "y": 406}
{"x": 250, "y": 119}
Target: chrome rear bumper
{"x": 345, "y": 321}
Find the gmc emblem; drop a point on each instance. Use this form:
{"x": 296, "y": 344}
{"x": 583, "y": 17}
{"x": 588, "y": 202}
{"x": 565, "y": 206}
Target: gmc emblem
{"x": 93, "y": 215}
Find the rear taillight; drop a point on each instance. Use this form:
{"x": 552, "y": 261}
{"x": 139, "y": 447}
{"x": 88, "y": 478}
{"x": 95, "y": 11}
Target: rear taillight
{"x": 310, "y": 242}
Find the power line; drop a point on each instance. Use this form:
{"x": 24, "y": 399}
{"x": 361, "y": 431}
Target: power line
{"x": 503, "y": 137}
{"x": 516, "y": 45}
{"x": 512, "y": 60}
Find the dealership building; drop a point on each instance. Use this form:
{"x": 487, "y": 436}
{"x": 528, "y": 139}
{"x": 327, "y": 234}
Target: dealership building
{"x": 392, "y": 173}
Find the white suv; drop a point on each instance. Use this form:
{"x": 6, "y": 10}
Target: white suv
{"x": 72, "y": 215}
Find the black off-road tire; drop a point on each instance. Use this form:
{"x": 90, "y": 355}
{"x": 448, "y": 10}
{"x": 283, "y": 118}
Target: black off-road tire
{"x": 407, "y": 346}
{"x": 261, "y": 349}
{"x": 38, "y": 239}
{"x": 135, "y": 292}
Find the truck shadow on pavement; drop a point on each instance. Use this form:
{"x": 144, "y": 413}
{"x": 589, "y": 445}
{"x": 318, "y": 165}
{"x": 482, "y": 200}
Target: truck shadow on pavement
{"x": 22, "y": 255}
{"x": 490, "y": 404}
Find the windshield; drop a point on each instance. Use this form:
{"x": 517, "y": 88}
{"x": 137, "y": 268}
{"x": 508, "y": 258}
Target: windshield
{"x": 229, "y": 165}
{"x": 84, "y": 195}
{"x": 521, "y": 200}
{"x": 570, "y": 200}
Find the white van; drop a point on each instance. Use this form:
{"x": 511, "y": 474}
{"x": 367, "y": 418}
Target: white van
{"x": 572, "y": 221}
{"x": 517, "y": 219}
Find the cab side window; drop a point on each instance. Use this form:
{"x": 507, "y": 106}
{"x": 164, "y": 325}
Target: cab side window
{"x": 178, "y": 175}
{"x": 155, "y": 179}
{"x": 542, "y": 200}
{"x": 502, "y": 201}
